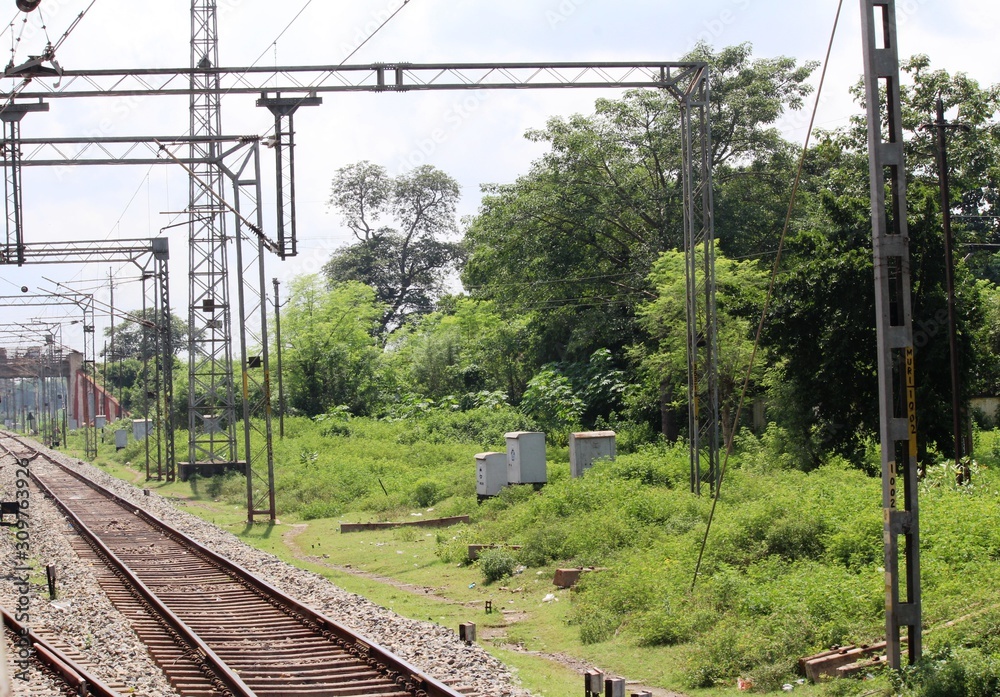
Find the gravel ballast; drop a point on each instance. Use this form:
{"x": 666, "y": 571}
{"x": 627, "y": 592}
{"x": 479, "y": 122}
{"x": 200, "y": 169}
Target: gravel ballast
{"x": 431, "y": 648}
{"x": 82, "y": 618}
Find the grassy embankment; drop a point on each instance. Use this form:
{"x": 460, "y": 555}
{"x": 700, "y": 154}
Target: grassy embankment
{"x": 793, "y": 563}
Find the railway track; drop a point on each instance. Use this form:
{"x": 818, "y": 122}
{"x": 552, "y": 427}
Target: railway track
{"x": 71, "y": 677}
{"x": 213, "y": 627}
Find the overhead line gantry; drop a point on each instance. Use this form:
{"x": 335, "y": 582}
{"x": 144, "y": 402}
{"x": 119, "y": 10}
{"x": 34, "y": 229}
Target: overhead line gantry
{"x": 282, "y": 90}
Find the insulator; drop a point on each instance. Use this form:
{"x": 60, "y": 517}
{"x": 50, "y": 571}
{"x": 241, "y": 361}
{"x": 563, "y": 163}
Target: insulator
{"x": 28, "y": 5}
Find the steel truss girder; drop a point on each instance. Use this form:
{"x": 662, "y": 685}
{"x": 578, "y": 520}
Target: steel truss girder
{"x": 205, "y": 84}
{"x": 86, "y": 304}
{"x": 891, "y": 251}
{"x": 113, "y": 150}
{"x": 211, "y": 395}
{"x": 371, "y": 77}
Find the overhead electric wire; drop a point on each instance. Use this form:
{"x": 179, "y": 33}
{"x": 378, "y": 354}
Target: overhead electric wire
{"x": 377, "y": 30}
{"x": 770, "y": 293}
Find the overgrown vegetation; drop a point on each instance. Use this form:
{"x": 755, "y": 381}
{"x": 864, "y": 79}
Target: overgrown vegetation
{"x": 792, "y": 565}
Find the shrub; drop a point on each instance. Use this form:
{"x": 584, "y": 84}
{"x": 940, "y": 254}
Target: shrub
{"x": 598, "y": 625}
{"x": 496, "y": 563}
{"x": 320, "y": 509}
{"x": 426, "y": 493}
{"x": 544, "y": 543}
{"x": 483, "y": 426}
{"x": 226, "y": 486}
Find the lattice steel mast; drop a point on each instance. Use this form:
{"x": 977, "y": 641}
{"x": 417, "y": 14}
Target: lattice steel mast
{"x": 897, "y": 407}
{"x": 211, "y": 399}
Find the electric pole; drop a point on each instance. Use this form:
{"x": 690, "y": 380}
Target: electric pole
{"x": 940, "y": 127}
{"x": 281, "y": 384}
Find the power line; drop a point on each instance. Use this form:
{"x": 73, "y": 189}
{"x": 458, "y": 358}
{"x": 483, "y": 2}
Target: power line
{"x": 770, "y": 293}
{"x": 377, "y": 30}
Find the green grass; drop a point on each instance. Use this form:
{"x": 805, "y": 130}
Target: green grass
{"x": 792, "y": 565}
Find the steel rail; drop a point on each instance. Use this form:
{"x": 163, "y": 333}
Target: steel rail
{"x": 231, "y": 682}
{"x": 73, "y": 674}
{"x": 373, "y": 654}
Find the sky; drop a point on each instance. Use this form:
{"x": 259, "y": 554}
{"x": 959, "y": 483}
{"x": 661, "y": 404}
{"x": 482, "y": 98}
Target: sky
{"x": 476, "y": 137}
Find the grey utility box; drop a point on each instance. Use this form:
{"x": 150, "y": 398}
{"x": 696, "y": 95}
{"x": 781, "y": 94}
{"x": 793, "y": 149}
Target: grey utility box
{"x": 100, "y": 421}
{"x": 491, "y": 473}
{"x": 526, "y": 458}
{"x": 587, "y": 446}
{"x": 121, "y": 439}
{"x": 141, "y": 428}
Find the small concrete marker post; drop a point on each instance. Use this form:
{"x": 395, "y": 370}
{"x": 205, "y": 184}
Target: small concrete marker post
{"x": 644, "y": 693}
{"x": 593, "y": 683}
{"x": 614, "y": 687}
{"x": 467, "y": 632}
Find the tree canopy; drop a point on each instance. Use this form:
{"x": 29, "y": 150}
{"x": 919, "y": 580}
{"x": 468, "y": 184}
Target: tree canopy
{"x": 574, "y": 310}
{"x": 136, "y": 336}
{"x": 402, "y": 225}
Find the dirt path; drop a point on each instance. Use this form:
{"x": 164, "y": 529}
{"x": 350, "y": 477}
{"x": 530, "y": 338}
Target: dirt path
{"x": 288, "y": 538}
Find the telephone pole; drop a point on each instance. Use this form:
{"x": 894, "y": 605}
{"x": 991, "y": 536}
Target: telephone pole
{"x": 940, "y": 128}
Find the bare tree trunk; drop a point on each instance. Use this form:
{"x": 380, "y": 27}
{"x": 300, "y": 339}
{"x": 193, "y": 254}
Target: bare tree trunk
{"x": 668, "y": 417}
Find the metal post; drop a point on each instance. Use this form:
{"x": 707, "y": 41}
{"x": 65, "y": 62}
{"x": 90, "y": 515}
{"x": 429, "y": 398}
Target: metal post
{"x": 253, "y": 314}
{"x": 161, "y": 258}
{"x": 897, "y": 407}
{"x": 284, "y": 109}
{"x": 144, "y": 343}
{"x": 89, "y": 370}
{"x": 277, "y": 344}
{"x": 940, "y": 127}
{"x": 699, "y": 251}
{"x": 111, "y": 291}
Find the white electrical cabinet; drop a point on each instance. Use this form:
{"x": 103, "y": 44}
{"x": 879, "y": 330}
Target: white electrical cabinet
{"x": 587, "y": 446}
{"x": 141, "y": 428}
{"x": 491, "y": 473}
{"x": 526, "y": 458}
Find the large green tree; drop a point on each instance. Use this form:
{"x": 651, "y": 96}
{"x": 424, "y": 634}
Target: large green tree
{"x": 330, "y": 355}
{"x": 570, "y": 245}
{"x": 823, "y": 321}
{"x": 664, "y": 364}
{"x": 402, "y": 227}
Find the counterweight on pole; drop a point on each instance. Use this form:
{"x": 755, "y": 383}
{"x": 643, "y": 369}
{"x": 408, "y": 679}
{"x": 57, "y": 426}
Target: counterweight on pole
{"x": 897, "y": 406}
